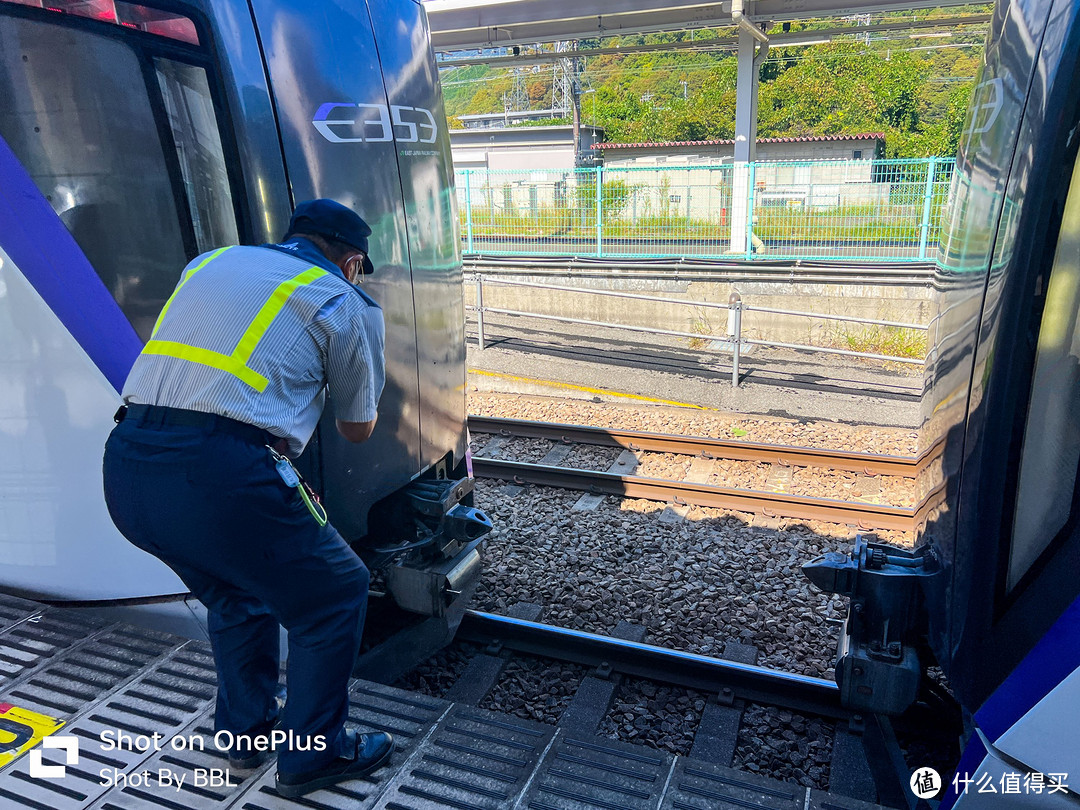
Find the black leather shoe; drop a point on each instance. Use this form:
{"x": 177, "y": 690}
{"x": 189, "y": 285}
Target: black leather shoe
{"x": 252, "y": 760}
{"x": 372, "y": 752}
{"x": 244, "y": 759}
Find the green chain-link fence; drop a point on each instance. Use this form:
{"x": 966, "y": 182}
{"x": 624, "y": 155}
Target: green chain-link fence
{"x": 884, "y": 210}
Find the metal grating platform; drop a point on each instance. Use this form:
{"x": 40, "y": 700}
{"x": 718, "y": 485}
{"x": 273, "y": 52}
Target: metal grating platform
{"x": 14, "y": 610}
{"x": 38, "y": 636}
{"x": 599, "y": 773}
{"x": 101, "y": 677}
{"x": 701, "y": 786}
{"x": 472, "y": 759}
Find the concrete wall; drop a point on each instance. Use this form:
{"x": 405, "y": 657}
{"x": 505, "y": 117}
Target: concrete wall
{"x": 906, "y": 304}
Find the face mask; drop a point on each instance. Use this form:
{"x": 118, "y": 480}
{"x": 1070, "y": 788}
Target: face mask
{"x": 356, "y": 271}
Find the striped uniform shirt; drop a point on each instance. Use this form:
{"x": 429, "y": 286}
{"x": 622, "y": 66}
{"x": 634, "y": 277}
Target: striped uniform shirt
{"x": 327, "y": 334}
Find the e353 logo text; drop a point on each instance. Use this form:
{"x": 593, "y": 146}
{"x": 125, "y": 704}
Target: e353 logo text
{"x": 347, "y": 122}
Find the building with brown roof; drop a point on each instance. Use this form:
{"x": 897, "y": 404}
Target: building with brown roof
{"x": 865, "y": 146}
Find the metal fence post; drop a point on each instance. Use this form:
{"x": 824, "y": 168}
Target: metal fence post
{"x": 689, "y": 230}
{"x": 749, "y": 215}
{"x": 928, "y": 198}
{"x": 479, "y": 311}
{"x": 599, "y": 211}
{"x": 735, "y": 314}
{"x": 468, "y": 211}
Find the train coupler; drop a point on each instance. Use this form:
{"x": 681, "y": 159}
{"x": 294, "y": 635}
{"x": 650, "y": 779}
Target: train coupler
{"x": 430, "y": 588}
{"x": 429, "y": 572}
{"x": 877, "y": 666}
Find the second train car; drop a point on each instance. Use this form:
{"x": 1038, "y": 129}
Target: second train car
{"x": 992, "y": 593}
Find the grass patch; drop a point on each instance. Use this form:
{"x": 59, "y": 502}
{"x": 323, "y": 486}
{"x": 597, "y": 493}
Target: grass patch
{"x": 888, "y": 340}
{"x": 701, "y": 326}
{"x": 889, "y": 225}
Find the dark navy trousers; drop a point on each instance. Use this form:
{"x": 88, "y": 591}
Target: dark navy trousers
{"x": 207, "y": 501}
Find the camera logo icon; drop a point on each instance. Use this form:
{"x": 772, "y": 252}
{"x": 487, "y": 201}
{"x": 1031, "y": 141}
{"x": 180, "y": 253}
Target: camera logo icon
{"x": 39, "y": 770}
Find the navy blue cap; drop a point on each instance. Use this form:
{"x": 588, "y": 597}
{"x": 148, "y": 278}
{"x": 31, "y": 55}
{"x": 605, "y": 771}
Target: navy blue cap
{"x": 328, "y": 218}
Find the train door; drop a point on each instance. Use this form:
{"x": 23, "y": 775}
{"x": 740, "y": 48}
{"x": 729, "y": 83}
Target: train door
{"x": 1019, "y": 520}
{"x": 1016, "y": 641}
{"x": 1028, "y": 723}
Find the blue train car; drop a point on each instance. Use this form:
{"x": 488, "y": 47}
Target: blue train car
{"x": 992, "y": 592}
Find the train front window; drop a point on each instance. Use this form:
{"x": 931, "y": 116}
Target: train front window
{"x": 122, "y": 141}
{"x": 198, "y": 146}
{"x": 1051, "y": 449}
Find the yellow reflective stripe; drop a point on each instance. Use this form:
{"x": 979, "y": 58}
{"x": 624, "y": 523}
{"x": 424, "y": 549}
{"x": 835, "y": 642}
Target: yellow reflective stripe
{"x": 206, "y": 357}
{"x": 184, "y": 281}
{"x": 235, "y": 363}
{"x": 250, "y": 339}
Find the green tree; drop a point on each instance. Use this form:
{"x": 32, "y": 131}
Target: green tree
{"x": 917, "y": 98}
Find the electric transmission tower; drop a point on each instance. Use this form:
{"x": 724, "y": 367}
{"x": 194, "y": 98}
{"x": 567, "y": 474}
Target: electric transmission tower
{"x": 562, "y": 83}
{"x": 518, "y": 97}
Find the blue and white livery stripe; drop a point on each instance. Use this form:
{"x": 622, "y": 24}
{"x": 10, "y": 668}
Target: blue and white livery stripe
{"x": 59, "y": 271}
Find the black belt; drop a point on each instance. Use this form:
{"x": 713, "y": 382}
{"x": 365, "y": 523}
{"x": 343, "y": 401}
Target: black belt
{"x": 160, "y": 416}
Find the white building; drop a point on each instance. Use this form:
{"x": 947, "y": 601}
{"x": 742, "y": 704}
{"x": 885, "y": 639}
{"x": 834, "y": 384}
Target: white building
{"x": 527, "y": 175}
{"x": 867, "y": 146}
{"x": 522, "y": 148}
{"x": 696, "y": 178}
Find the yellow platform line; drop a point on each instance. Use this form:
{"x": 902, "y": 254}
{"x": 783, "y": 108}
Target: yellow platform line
{"x": 586, "y": 389}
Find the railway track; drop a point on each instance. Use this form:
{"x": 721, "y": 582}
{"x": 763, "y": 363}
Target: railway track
{"x": 464, "y": 747}
{"x": 863, "y": 514}
{"x": 864, "y": 749}
{"x": 864, "y": 758}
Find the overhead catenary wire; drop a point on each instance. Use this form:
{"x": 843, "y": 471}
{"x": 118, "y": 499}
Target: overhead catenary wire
{"x": 611, "y": 69}
{"x": 602, "y": 71}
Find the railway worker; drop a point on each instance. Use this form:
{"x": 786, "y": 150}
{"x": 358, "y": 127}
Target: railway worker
{"x": 231, "y": 382}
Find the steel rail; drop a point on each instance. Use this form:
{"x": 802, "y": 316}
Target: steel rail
{"x": 729, "y": 679}
{"x": 869, "y": 463}
{"x": 865, "y": 515}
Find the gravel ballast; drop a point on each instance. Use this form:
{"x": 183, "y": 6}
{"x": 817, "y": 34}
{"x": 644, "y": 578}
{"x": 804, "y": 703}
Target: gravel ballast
{"x": 693, "y": 582}
{"x": 694, "y": 422}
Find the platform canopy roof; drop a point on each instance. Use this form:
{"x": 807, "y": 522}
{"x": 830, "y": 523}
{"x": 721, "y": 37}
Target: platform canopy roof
{"x": 470, "y": 24}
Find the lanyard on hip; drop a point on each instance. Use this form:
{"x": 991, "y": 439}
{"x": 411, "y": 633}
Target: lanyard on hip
{"x": 292, "y": 478}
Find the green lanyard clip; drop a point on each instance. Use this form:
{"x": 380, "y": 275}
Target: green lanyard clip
{"x": 292, "y": 478}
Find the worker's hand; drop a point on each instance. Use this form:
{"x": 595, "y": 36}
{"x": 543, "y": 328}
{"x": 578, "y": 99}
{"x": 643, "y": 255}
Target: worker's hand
{"x": 356, "y": 432}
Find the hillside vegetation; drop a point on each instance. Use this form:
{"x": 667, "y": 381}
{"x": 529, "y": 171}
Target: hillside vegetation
{"x": 913, "y": 89}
